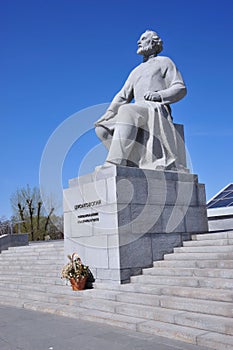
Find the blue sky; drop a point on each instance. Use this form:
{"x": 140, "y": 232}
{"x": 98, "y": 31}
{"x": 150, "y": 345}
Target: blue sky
{"x": 61, "y": 56}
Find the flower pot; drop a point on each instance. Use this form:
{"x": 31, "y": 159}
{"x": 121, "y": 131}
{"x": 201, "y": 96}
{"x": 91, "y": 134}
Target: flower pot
{"x": 78, "y": 284}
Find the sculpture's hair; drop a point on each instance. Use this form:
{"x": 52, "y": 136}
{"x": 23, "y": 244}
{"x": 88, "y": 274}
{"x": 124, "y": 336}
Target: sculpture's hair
{"x": 157, "y": 40}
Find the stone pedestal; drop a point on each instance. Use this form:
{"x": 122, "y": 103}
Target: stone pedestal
{"x": 121, "y": 219}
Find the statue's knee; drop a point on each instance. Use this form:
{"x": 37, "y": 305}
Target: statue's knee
{"x": 101, "y": 133}
{"x": 126, "y": 114}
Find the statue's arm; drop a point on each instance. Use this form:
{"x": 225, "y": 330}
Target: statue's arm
{"x": 125, "y": 95}
{"x": 173, "y": 94}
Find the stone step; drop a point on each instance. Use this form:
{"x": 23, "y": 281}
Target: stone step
{"x": 31, "y": 255}
{"x": 28, "y": 270}
{"x": 210, "y": 322}
{"x": 197, "y": 256}
{"x": 147, "y": 312}
{"x": 31, "y": 262}
{"x": 28, "y": 290}
{"x": 134, "y": 298}
{"x": 201, "y": 264}
{"x": 219, "y": 324}
{"x": 205, "y": 249}
{"x": 172, "y": 331}
{"x": 24, "y": 288}
{"x": 101, "y": 305}
{"x": 199, "y": 293}
{"x": 11, "y": 301}
{"x": 165, "y": 271}
{"x": 150, "y": 289}
{"x": 181, "y": 333}
{"x": 122, "y": 319}
{"x": 31, "y": 280}
{"x": 218, "y": 235}
{"x": 44, "y": 244}
{"x": 208, "y": 242}
{"x": 60, "y": 295}
{"x": 87, "y": 314}
{"x": 32, "y": 259}
{"x": 213, "y": 340}
{"x": 196, "y": 282}
{"x": 210, "y": 307}
{"x": 34, "y": 248}
{"x": 26, "y": 249}
{"x": 219, "y": 308}
{"x": 6, "y": 293}
{"x": 48, "y": 252}
{"x": 216, "y": 308}
{"x": 157, "y": 290}
{"x": 216, "y": 341}
{"x": 138, "y": 298}
{"x": 65, "y": 289}
{"x": 102, "y": 294}
{"x": 188, "y": 296}
{"x": 39, "y": 273}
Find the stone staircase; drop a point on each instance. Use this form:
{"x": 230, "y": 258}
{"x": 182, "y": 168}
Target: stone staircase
{"x": 188, "y": 296}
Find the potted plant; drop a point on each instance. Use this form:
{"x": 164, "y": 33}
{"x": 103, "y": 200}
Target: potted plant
{"x": 76, "y": 273}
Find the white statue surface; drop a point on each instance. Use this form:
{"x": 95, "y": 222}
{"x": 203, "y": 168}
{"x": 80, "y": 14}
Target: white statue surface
{"x": 138, "y": 128}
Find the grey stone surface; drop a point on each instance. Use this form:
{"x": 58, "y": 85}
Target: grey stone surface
{"x": 186, "y": 193}
{"x": 125, "y": 172}
{"x": 137, "y": 253}
{"x": 220, "y": 224}
{"x": 146, "y": 218}
{"x": 173, "y": 219}
{"x": 164, "y": 243}
{"x": 132, "y": 189}
{"x": 108, "y": 274}
{"x": 26, "y": 330}
{"x": 195, "y": 219}
{"x": 201, "y": 195}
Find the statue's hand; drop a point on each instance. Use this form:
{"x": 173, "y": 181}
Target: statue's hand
{"x": 108, "y": 115}
{"x": 152, "y": 96}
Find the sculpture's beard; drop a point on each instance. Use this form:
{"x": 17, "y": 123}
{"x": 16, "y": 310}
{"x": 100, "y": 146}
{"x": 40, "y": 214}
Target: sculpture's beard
{"x": 146, "y": 50}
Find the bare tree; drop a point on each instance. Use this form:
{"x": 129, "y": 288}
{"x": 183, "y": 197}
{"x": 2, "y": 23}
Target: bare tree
{"x": 5, "y": 226}
{"x": 28, "y": 207}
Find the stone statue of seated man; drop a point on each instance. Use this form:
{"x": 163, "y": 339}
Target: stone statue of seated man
{"x": 142, "y": 133}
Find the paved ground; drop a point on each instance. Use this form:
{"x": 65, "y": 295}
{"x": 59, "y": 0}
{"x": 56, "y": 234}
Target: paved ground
{"x": 22, "y": 329}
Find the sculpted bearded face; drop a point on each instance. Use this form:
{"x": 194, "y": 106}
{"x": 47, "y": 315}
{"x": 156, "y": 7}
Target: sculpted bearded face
{"x": 149, "y": 44}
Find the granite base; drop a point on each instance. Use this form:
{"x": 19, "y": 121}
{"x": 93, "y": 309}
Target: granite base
{"x": 121, "y": 219}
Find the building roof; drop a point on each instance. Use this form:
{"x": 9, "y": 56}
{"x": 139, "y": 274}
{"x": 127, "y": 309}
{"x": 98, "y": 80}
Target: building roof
{"x": 222, "y": 199}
